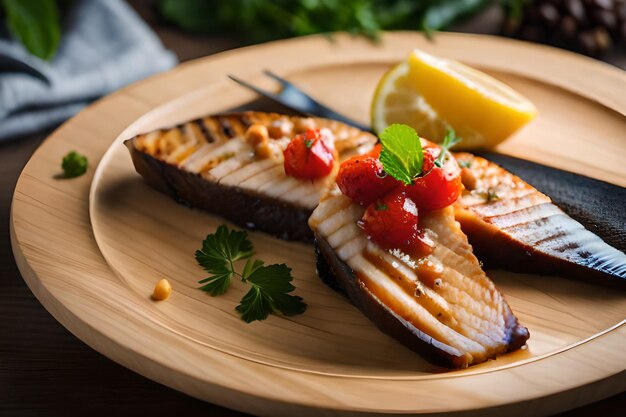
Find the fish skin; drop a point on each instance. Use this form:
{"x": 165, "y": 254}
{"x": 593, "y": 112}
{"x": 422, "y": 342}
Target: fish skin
{"x": 337, "y": 275}
{"x": 254, "y": 211}
{"x": 522, "y": 230}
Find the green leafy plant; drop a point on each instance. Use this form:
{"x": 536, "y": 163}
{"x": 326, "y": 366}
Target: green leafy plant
{"x": 270, "y": 285}
{"x": 442, "y": 14}
{"x": 35, "y": 23}
{"x": 261, "y": 20}
{"x": 219, "y": 252}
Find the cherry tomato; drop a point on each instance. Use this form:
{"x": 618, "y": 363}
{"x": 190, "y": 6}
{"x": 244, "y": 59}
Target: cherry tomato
{"x": 309, "y": 156}
{"x": 440, "y": 186}
{"x": 375, "y": 152}
{"x": 391, "y": 222}
{"x": 363, "y": 179}
{"x": 430, "y": 154}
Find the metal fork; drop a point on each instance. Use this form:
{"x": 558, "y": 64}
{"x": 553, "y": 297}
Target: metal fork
{"x": 292, "y": 97}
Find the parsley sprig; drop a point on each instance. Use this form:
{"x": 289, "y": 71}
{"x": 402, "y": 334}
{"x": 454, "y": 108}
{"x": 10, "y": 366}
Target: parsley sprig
{"x": 269, "y": 292}
{"x": 270, "y": 285}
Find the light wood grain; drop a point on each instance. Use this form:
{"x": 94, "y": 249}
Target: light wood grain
{"x": 93, "y": 261}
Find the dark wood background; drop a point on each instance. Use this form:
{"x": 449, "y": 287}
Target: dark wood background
{"x": 46, "y": 371}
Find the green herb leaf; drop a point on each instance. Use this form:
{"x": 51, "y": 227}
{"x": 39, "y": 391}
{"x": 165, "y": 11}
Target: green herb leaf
{"x": 402, "y": 155}
{"x": 308, "y": 143}
{"x": 74, "y": 165}
{"x": 250, "y": 267}
{"x": 449, "y": 141}
{"x": 270, "y": 290}
{"x": 255, "y": 305}
{"x": 271, "y": 284}
{"x": 35, "y": 23}
{"x": 219, "y": 252}
{"x": 218, "y": 283}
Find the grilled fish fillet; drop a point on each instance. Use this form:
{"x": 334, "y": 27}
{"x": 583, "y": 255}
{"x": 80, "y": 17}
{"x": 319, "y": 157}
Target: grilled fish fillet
{"x": 211, "y": 163}
{"x": 513, "y": 226}
{"x": 441, "y": 305}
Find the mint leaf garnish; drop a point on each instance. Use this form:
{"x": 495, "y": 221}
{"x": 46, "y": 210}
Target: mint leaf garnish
{"x": 402, "y": 155}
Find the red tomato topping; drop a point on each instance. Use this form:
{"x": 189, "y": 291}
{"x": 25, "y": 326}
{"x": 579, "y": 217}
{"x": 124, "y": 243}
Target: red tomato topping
{"x": 391, "y": 222}
{"x": 309, "y": 156}
{"x": 363, "y": 179}
{"x": 375, "y": 152}
{"x": 440, "y": 187}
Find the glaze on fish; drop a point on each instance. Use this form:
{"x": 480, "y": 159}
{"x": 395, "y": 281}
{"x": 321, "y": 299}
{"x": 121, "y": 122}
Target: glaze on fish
{"x": 441, "y": 304}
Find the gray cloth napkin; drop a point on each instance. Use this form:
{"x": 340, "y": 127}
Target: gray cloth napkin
{"x": 104, "y": 46}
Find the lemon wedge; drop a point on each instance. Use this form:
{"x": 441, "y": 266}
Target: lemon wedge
{"x": 432, "y": 94}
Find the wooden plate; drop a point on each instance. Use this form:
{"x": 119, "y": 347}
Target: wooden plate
{"x": 92, "y": 248}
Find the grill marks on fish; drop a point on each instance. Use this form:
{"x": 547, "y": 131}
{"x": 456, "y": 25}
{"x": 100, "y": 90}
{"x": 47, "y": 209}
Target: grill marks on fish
{"x": 215, "y": 148}
{"x": 436, "y": 299}
{"x": 523, "y": 230}
{"x": 209, "y": 163}
{"x": 444, "y": 295}
{"x": 203, "y": 130}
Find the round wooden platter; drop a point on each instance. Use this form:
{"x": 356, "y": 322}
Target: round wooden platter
{"x": 92, "y": 248}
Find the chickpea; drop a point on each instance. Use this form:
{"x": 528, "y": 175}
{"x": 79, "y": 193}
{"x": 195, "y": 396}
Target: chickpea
{"x": 280, "y": 128}
{"x": 468, "y": 179}
{"x": 304, "y": 124}
{"x": 162, "y": 290}
{"x": 257, "y": 134}
{"x": 258, "y": 137}
{"x": 263, "y": 150}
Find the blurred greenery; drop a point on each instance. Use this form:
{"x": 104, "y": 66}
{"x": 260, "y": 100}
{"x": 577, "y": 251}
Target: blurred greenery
{"x": 261, "y": 20}
{"x": 442, "y": 14}
{"x": 35, "y": 23}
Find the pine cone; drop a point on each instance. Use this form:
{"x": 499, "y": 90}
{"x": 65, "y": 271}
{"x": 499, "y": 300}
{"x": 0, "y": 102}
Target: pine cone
{"x": 589, "y": 26}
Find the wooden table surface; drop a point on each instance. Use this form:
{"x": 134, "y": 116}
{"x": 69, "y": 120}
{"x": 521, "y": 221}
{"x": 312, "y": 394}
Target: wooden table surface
{"x": 46, "y": 371}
